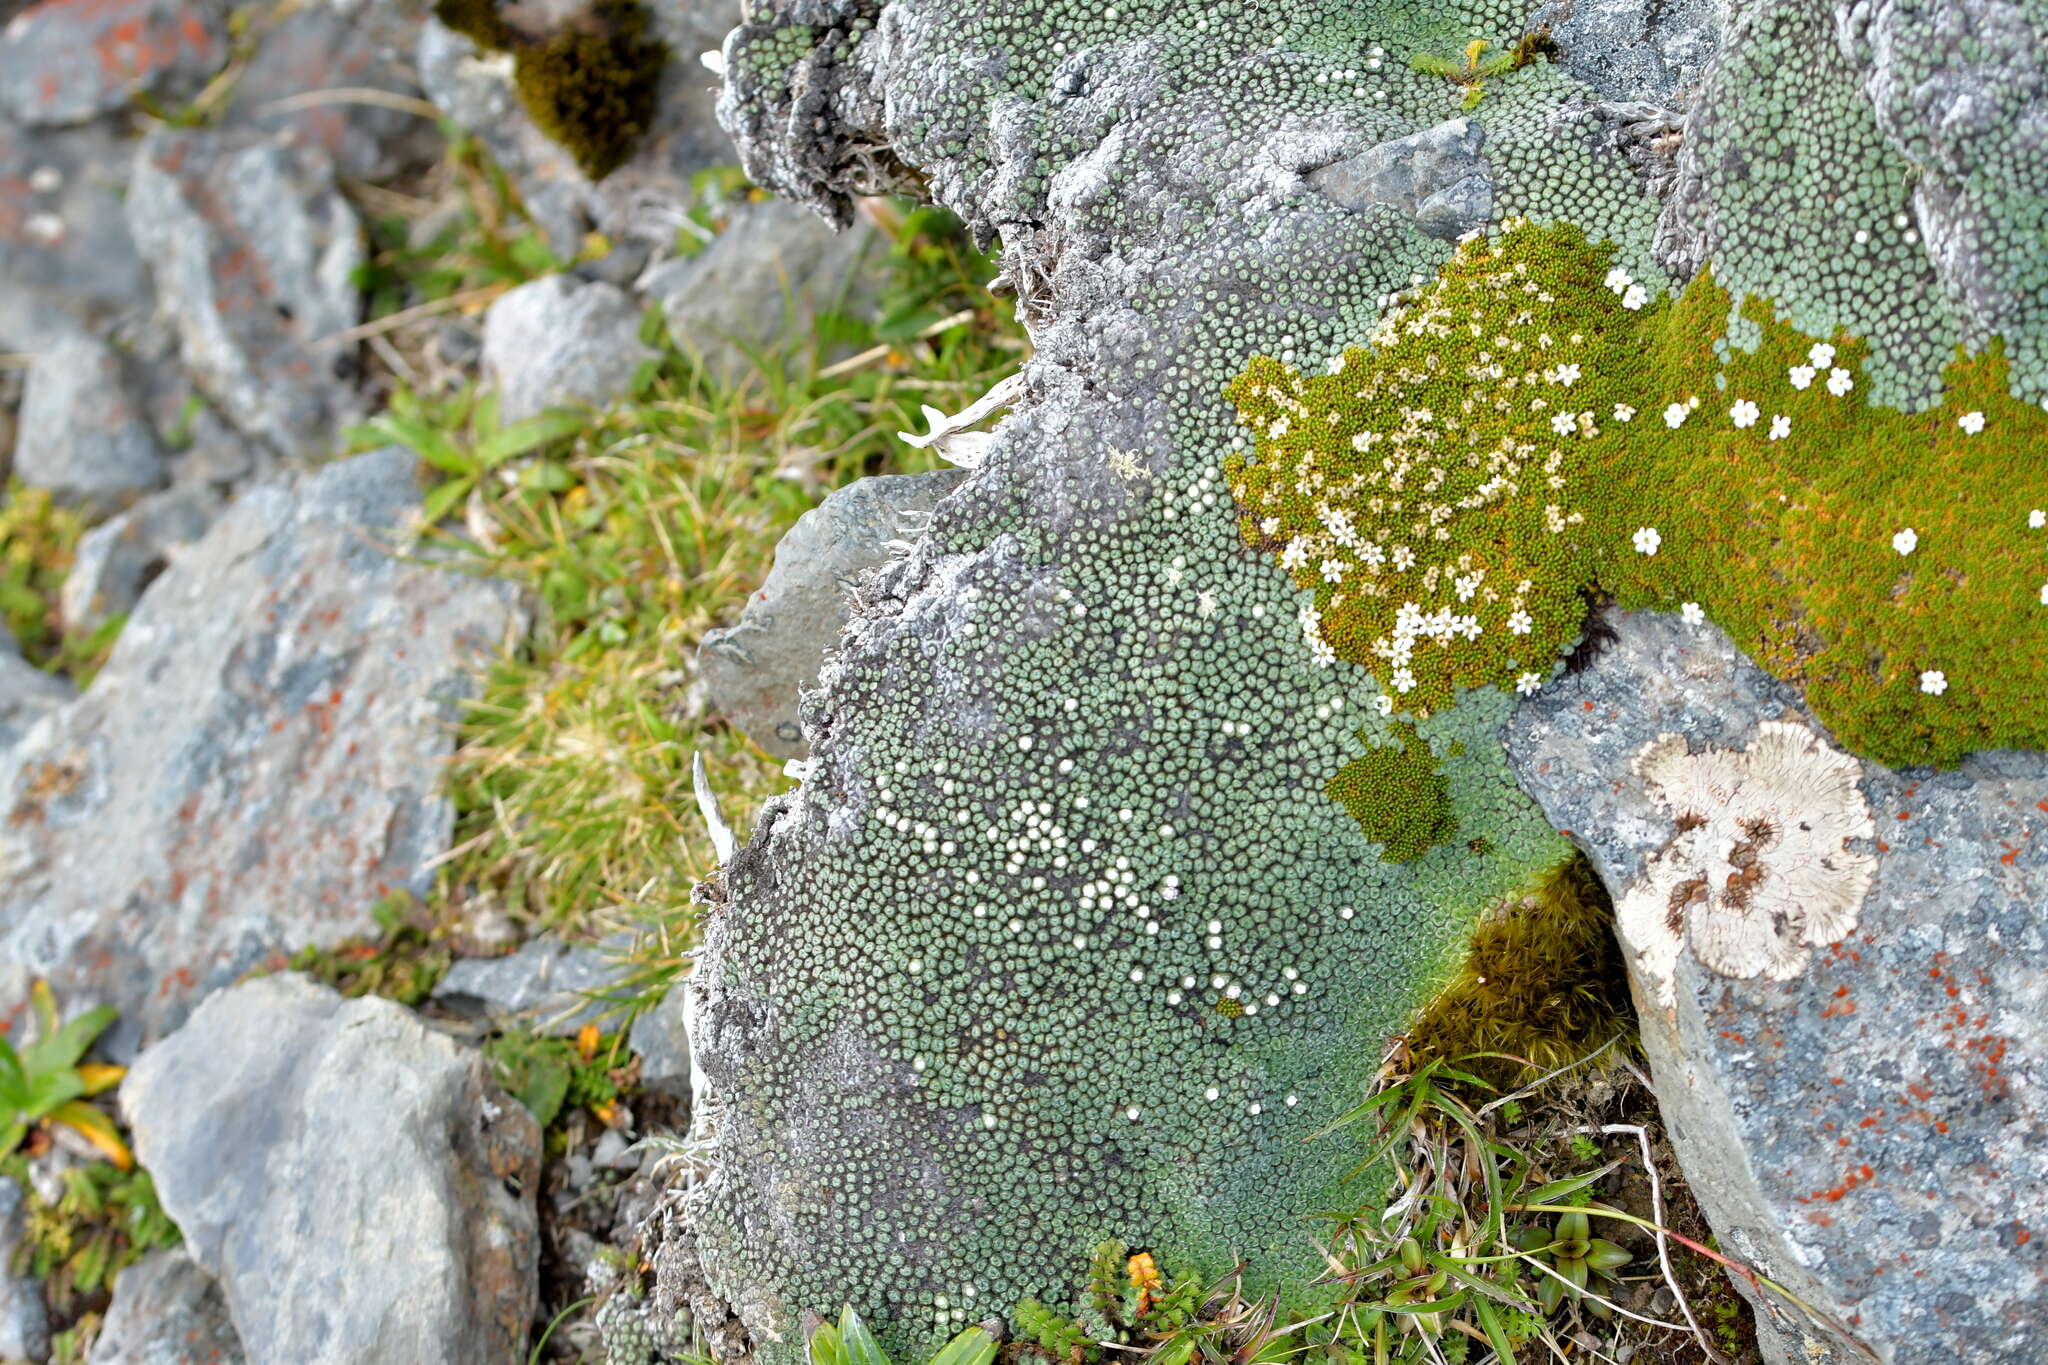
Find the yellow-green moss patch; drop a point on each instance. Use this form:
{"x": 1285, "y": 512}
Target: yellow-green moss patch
{"x": 1534, "y": 424}
{"x": 1398, "y": 797}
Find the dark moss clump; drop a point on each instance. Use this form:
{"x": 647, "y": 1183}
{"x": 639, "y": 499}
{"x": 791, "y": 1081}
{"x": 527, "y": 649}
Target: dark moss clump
{"x": 1398, "y": 798}
{"x": 590, "y": 85}
{"x": 1543, "y": 981}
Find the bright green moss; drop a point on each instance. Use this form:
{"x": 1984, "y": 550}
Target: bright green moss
{"x": 590, "y": 85}
{"x": 1398, "y": 797}
{"x": 1521, "y": 434}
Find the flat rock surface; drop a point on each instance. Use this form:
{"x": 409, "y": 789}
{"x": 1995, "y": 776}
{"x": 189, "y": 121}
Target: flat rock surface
{"x": 167, "y": 1311}
{"x": 302, "y": 83}
{"x": 753, "y": 670}
{"x": 254, "y": 251}
{"x": 262, "y": 747}
{"x": 1867, "y": 1130}
{"x": 66, "y": 61}
{"x": 343, "y": 1232}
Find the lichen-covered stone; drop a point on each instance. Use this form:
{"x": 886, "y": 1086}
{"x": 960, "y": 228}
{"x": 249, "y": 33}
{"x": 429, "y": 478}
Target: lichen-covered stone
{"x": 263, "y": 746}
{"x": 1861, "y": 1122}
{"x": 62, "y": 61}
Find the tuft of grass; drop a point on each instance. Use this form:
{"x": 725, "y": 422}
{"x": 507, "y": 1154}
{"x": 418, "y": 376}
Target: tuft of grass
{"x": 1542, "y": 983}
{"x": 636, "y": 530}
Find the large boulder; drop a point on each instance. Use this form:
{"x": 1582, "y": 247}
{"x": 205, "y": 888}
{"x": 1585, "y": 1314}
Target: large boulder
{"x": 254, "y": 252}
{"x": 263, "y": 747}
{"x": 357, "y": 1182}
{"x": 1068, "y": 770}
{"x": 754, "y": 669}
{"x": 1842, "y": 977}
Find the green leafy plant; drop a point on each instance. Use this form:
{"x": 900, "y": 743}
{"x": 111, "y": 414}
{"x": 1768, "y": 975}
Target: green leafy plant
{"x": 1574, "y": 1259}
{"x": 552, "y": 1076}
{"x": 1470, "y": 74}
{"x": 849, "y": 1342}
{"x": 104, "y": 1220}
{"x": 463, "y": 439}
{"x": 38, "y": 539}
{"x": 45, "y": 1083}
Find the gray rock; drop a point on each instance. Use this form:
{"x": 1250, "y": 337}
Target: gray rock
{"x": 318, "y": 48}
{"x": 754, "y": 670}
{"x": 167, "y": 1311}
{"x": 1436, "y": 177}
{"x": 558, "y": 341}
{"x": 1861, "y": 1120}
{"x": 660, "y": 1038}
{"x": 83, "y": 436}
{"x": 1627, "y": 50}
{"x": 375, "y": 1200}
{"x": 27, "y": 693}
{"x": 772, "y": 270}
{"x": 549, "y": 985}
{"x": 116, "y": 560}
{"x": 253, "y": 251}
{"x": 24, "y": 1322}
{"x": 67, "y": 63}
{"x": 263, "y": 746}
{"x": 66, "y": 260}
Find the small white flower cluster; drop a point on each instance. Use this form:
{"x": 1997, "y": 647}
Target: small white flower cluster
{"x": 1312, "y": 631}
{"x": 1745, "y": 413}
{"x": 1633, "y": 295}
{"x": 1647, "y": 540}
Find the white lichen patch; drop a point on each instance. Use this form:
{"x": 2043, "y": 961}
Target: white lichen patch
{"x": 1760, "y": 869}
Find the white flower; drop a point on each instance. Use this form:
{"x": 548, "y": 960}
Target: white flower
{"x": 1566, "y": 375}
{"x": 1295, "y": 556}
{"x": 1821, "y": 355}
{"x": 1623, "y": 412}
{"x": 1800, "y": 375}
{"x": 2044, "y": 594}
{"x": 1270, "y": 526}
{"x": 1635, "y": 297}
{"x": 1333, "y": 570}
{"x": 1692, "y": 614}
{"x": 1619, "y": 279}
{"x": 2037, "y": 518}
{"x": 1647, "y": 540}
{"x": 1934, "y": 682}
{"x": 1971, "y": 422}
{"x": 1520, "y": 622}
{"x": 1564, "y": 423}
{"x": 1781, "y": 427}
{"x": 1905, "y": 540}
{"x": 1527, "y": 683}
{"x": 1404, "y": 680}
{"x": 1839, "y": 382}
{"x": 1383, "y": 704}
{"x": 1674, "y": 416}
{"x": 1744, "y": 413}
